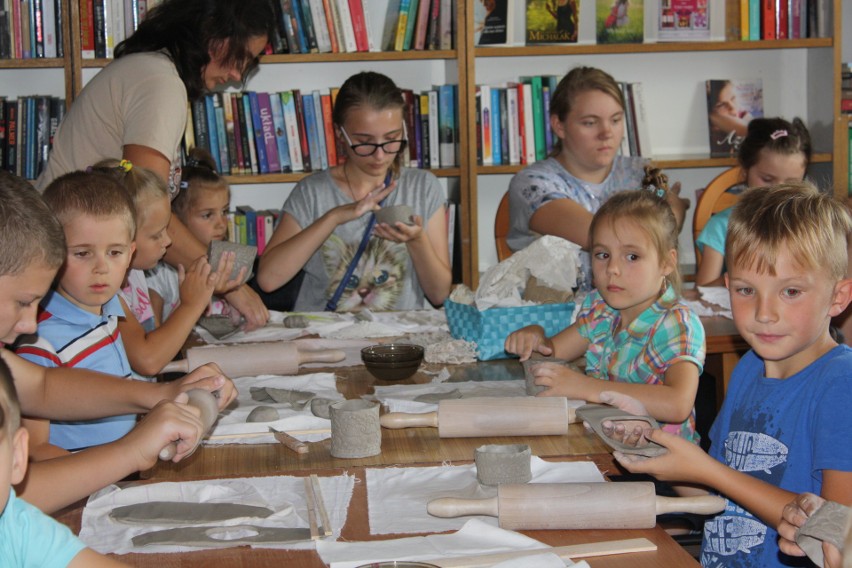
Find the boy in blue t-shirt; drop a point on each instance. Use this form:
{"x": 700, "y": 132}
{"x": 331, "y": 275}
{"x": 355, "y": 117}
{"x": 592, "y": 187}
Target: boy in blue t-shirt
{"x": 783, "y": 427}
{"x": 78, "y": 319}
{"x": 28, "y": 537}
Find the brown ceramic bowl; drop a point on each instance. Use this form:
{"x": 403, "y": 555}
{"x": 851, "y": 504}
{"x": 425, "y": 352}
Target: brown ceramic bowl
{"x": 392, "y": 362}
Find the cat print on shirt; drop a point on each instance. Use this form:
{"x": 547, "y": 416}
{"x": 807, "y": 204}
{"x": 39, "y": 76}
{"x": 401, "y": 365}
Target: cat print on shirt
{"x": 378, "y": 279}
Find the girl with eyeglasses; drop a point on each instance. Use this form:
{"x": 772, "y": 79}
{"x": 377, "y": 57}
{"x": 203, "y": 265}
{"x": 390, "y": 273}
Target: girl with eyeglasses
{"x": 328, "y": 219}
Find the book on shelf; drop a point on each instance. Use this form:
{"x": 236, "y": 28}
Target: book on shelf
{"x": 551, "y": 21}
{"x": 496, "y": 134}
{"x": 320, "y": 26}
{"x": 731, "y": 105}
{"x": 291, "y": 124}
{"x": 620, "y": 21}
{"x": 447, "y": 125}
{"x": 281, "y": 143}
{"x": 640, "y": 117}
{"x": 388, "y": 40}
{"x": 445, "y": 25}
{"x": 425, "y": 158}
{"x": 347, "y": 25}
{"x": 322, "y": 151}
{"x": 240, "y": 144}
{"x": 434, "y": 129}
{"x": 683, "y": 20}
{"x": 234, "y": 165}
{"x": 359, "y": 25}
{"x": 484, "y": 96}
{"x": 27, "y": 126}
{"x": 422, "y": 25}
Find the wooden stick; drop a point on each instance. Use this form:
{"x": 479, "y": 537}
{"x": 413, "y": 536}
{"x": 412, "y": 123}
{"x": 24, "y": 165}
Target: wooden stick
{"x": 565, "y": 552}
{"x": 312, "y": 516}
{"x": 326, "y": 524}
{"x": 258, "y": 434}
{"x": 289, "y": 441}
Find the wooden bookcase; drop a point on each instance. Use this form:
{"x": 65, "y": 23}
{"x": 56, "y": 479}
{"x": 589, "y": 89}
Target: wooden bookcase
{"x": 816, "y": 69}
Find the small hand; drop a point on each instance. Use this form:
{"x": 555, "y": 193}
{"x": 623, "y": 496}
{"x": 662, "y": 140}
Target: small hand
{"x": 208, "y": 377}
{"x": 559, "y": 380}
{"x": 169, "y": 421}
{"x": 198, "y": 283}
{"x": 526, "y": 341}
{"x": 794, "y": 515}
{"x": 400, "y": 232}
{"x": 630, "y": 432}
{"x": 248, "y": 303}
{"x": 684, "y": 460}
{"x": 368, "y": 203}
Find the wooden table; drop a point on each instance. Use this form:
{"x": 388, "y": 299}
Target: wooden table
{"x": 408, "y": 446}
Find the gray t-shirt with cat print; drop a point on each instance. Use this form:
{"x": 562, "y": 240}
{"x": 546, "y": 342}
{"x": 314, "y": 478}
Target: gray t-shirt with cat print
{"x": 385, "y": 278}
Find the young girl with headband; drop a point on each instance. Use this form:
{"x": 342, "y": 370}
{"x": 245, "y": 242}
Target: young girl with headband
{"x": 639, "y": 339}
{"x": 327, "y": 225}
{"x": 772, "y": 152}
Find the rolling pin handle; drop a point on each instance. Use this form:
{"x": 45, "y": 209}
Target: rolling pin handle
{"x": 700, "y": 505}
{"x": 455, "y": 507}
{"x": 396, "y": 420}
{"x": 181, "y": 366}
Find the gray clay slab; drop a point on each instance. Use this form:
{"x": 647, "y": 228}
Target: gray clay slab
{"x": 245, "y": 255}
{"x": 176, "y": 512}
{"x": 596, "y": 414}
{"x": 263, "y": 414}
{"x": 434, "y": 397}
{"x": 828, "y": 524}
{"x": 222, "y": 537}
{"x": 395, "y": 214}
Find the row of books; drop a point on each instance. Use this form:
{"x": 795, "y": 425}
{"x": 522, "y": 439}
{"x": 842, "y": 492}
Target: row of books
{"x": 31, "y": 29}
{"x": 27, "y": 127}
{"x": 513, "y": 121}
{"x": 106, "y": 23}
{"x": 846, "y": 88}
{"x": 264, "y": 133}
{"x": 784, "y": 19}
{"x": 346, "y": 26}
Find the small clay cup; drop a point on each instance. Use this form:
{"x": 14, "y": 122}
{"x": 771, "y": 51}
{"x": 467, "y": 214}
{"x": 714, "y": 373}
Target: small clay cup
{"x": 244, "y": 256}
{"x": 498, "y": 464}
{"x": 355, "y": 429}
{"x": 533, "y": 389}
{"x": 395, "y": 214}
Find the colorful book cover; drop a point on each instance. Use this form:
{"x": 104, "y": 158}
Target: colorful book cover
{"x": 401, "y": 25}
{"x": 537, "y": 102}
{"x": 731, "y": 104}
{"x": 292, "y": 125}
{"x": 422, "y": 25}
{"x": 491, "y": 22}
{"x": 620, "y": 21}
{"x": 250, "y": 218}
{"x": 555, "y": 21}
{"x": 683, "y": 20}
{"x": 329, "y": 24}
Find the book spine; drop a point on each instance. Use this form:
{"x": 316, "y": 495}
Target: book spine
{"x": 260, "y": 231}
{"x": 299, "y": 24}
{"x": 389, "y": 30}
{"x": 303, "y": 131}
{"x": 42, "y": 134}
{"x": 320, "y": 129}
{"x": 99, "y": 27}
{"x": 359, "y": 25}
{"x": 548, "y": 134}
{"x": 642, "y": 124}
{"x": 529, "y": 124}
{"x": 744, "y": 20}
{"x": 415, "y": 138}
{"x": 330, "y": 26}
{"x": 257, "y": 128}
{"x": 445, "y": 32}
{"x": 199, "y": 124}
{"x": 496, "y": 140}
{"x": 250, "y": 135}
{"x": 37, "y": 26}
{"x": 512, "y": 124}
{"x": 117, "y": 27}
{"x": 486, "y": 122}
{"x": 768, "y": 19}
{"x": 11, "y": 146}
{"x": 447, "y": 121}
{"x": 337, "y": 26}
{"x": 372, "y": 43}
{"x": 221, "y": 133}
{"x": 320, "y": 26}
{"x": 240, "y": 127}
{"x": 521, "y": 125}
{"x": 210, "y": 116}
{"x": 290, "y": 26}
{"x": 409, "y": 25}
{"x": 538, "y": 117}
{"x": 2, "y": 124}
{"x": 423, "y": 101}
{"x": 280, "y": 132}
{"x": 432, "y": 35}
{"x": 328, "y": 126}
{"x": 422, "y": 25}
{"x": 781, "y": 19}
{"x": 754, "y": 20}
{"x": 230, "y": 133}
{"x": 401, "y": 25}
{"x": 434, "y": 137}
{"x": 236, "y": 107}
{"x": 292, "y": 125}
{"x": 347, "y": 25}
{"x": 303, "y": 9}
{"x": 795, "y": 9}
{"x": 268, "y": 130}
{"x": 49, "y": 28}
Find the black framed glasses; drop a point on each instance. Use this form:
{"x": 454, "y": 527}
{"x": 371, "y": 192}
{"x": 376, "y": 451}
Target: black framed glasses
{"x": 369, "y": 148}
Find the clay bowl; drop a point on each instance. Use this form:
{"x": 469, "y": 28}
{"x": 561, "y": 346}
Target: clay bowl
{"x": 393, "y": 361}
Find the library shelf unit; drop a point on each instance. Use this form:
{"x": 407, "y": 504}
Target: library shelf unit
{"x": 811, "y": 68}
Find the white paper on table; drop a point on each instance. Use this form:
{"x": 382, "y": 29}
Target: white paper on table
{"x": 717, "y": 295}
{"x": 474, "y": 538}
{"x": 284, "y": 495}
{"x": 232, "y": 420}
{"x": 397, "y": 496}
{"x": 703, "y": 310}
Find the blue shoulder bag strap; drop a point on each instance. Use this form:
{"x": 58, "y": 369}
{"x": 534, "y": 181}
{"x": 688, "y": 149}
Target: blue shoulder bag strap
{"x": 335, "y": 298}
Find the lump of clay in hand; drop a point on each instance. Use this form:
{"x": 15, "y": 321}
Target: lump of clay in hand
{"x": 263, "y": 414}
{"x": 295, "y": 322}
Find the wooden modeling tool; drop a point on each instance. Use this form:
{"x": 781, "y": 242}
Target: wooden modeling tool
{"x": 606, "y": 505}
{"x": 320, "y": 503}
{"x": 252, "y": 359}
{"x": 206, "y": 402}
{"x": 293, "y": 443}
{"x": 498, "y": 416}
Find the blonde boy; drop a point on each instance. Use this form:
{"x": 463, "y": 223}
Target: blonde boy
{"x": 783, "y": 428}
{"x": 28, "y": 537}
{"x": 78, "y": 321}
{"x": 33, "y": 249}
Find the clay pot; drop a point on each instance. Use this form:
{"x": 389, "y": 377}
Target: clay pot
{"x": 355, "y": 429}
{"x": 500, "y": 464}
{"x": 395, "y": 214}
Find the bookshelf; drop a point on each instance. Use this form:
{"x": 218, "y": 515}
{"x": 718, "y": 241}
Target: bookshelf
{"x": 672, "y": 72}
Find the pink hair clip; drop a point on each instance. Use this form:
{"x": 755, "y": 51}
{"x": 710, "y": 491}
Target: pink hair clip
{"x": 778, "y": 134}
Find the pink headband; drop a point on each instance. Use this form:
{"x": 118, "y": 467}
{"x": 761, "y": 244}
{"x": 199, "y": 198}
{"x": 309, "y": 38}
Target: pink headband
{"x": 778, "y": 134}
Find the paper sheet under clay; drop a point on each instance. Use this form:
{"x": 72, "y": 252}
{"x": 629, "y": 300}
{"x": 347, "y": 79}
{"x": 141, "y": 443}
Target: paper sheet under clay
{"x": 474, "y": 538}
{"x": 397, "y": 496}
{"x": 284, "y": 495}
{"x": 232, "y": 421}
{"x": 403, "y": 398}
{"x": 339, "y": 326}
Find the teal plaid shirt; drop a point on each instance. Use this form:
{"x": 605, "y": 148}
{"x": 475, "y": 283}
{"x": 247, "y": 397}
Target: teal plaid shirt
{"x": 666, "y": 333}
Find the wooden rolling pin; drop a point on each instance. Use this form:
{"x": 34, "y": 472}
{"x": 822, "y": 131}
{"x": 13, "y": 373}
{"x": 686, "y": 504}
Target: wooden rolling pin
{"x": 498, "y": 416}
{"x": 607, "y": 505}
{"x": 205, "y": 402}
{"x": 251, "y": 359}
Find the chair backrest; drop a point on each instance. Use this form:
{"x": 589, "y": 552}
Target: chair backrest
{"x": 714, "y": 199}
{"x": 501, "y": 229}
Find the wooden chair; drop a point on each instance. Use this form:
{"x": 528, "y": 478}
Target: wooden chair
{"x": 714, "y": 199}
{"x": 501, "y": 229}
